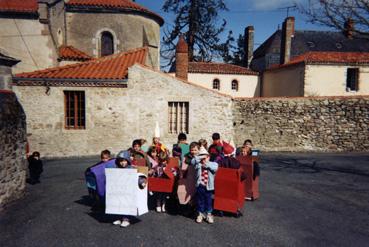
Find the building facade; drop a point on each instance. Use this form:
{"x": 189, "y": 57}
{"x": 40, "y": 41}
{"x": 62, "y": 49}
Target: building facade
{"x": 313, "y": 63}
{"x": 34, "y": 30}
{"x": 233, "y": 80}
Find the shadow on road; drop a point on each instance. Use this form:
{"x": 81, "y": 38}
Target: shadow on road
{"x": 312, "y": 166}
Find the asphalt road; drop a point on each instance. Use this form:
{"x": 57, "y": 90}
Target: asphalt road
{"x": 306, "y": 200}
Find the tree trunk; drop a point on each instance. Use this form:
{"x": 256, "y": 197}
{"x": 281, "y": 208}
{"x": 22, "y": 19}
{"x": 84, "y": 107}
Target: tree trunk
{"x": 192, "y": 29}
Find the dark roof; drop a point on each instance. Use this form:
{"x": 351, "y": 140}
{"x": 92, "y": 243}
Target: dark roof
{"x": 7, "y": 61}
{"x": 311, "y": 41}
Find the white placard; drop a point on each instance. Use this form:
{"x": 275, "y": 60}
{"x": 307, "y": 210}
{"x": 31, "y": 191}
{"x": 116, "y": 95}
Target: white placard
{"x": 123, "y": 195}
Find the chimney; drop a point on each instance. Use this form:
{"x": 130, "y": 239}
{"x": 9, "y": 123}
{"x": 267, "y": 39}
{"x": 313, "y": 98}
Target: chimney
{"x": 181, "y": 58}
{"x": 288, "y": 31}
{"x": 43, "y": 13}
{"x": 248, "y": 46}
{"x": 349, "y": 28}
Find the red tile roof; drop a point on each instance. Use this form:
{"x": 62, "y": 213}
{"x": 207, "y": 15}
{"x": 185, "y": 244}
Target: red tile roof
{"x": 19, "y": 6}
{"x": 113, "y": 67}
{"x": 114, "y": 4}
{"x": 218, "y": 68}
{"x": 71, "y": 53}
{"x": 318, "y": 57}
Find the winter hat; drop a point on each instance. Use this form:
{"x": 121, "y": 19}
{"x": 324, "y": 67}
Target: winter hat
{"x": 227, "y": 149}
{"x": 203, "y": 153}
{"x": 124, "y": 155}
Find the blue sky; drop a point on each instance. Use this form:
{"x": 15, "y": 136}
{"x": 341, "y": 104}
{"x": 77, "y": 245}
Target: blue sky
{"x": 264, "y": 15}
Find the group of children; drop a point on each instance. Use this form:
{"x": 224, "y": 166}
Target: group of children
{"x": 196, "y": 156}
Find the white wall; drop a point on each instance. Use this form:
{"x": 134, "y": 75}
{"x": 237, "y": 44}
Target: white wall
{"x": 29, "y": 41}
{"x": 330, "y": 80}
{"x": 288, "y": 81}
{"x": 248, "y": 85}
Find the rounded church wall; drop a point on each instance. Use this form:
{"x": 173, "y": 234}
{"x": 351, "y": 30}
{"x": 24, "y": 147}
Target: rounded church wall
{"x": 129, "y": 31}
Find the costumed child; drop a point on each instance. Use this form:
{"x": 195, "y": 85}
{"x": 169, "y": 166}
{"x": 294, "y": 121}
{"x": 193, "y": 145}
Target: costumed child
{"x": 181, "y": 148}
{"x": 123, "y": 161}
{"x": 137, "y": 153}
{"x": 144, "y": 145}
{"x": 156, "y": 141}
{"x": 187, "y": 181}
{"x": 159, "y": 172}
{"x": 35, "y": 167}
{"x": 205, "y": 174}
{"x": 152, "y": 156}
{"x": 105, "y": 156}
{"x": 246, "y": 143}
{"x": 203, "y": 143}
{"x": 245, "y": 151}
{"x": 216, "y": 148}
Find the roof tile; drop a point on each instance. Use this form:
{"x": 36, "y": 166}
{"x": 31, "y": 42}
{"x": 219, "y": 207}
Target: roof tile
{"x": 218, "y": 68}
{"x": 113, "y": 4}
{"x": 113, "y": 67}
{"x": 19, "y": 6}
{"x": 71, "y": 53}
{"x": 317, "y": 57}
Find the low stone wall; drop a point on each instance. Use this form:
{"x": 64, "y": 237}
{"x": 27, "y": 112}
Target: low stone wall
{"x": 12, "y": 148}
{"x": 303, "y": 124}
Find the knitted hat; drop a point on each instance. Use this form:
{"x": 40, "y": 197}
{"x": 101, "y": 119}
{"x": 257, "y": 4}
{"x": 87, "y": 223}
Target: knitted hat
{"x": 124, "y": 155}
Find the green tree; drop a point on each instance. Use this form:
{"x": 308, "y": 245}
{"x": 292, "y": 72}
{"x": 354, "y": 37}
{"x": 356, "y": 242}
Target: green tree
{"x": 198, "y": 20}
{"x": 238, "y": 52}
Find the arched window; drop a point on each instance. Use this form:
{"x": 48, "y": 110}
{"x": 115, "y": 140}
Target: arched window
{"x": 107, "y": 44}
{"x": 216, "y": 84}
{"x": 235, "y": 85}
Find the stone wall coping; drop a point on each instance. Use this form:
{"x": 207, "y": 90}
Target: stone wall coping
{"x": 182, "y": 80}
{"x": 302, "y": 98}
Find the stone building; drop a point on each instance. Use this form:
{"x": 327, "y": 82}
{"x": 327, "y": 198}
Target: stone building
{"x": 83, "y": 108}
{"x": 34, "y": 31}
{"x": 313, "y": 63}
{"x": 233, "y": 80}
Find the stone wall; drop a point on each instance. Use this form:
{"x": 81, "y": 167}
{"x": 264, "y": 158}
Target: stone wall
{"x": 303, "y": 124}
{"x": 12, "y": 148}
{"x": 116, "y": 116}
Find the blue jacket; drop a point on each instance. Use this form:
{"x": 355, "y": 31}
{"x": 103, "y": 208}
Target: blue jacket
{"x": 212, "y": 168}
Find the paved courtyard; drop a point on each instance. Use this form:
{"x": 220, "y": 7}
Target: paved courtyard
{"x": 306, "y": 200}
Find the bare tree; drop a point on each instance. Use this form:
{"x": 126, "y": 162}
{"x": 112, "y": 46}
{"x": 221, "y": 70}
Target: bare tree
{"x": 338, "y": 14}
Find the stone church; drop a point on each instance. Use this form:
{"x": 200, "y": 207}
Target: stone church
{"x": 49, "y": 33}
{"x": 89, "y": 78}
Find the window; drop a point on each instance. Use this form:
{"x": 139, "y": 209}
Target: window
{"x": 352, "y": 80}
{"x": 216, "y": 84}
{"x": 75, "y": 110}
{"x": 107, "y": 44}
{"x": 235, "y": 85}
{"x": 178, "y": 117}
